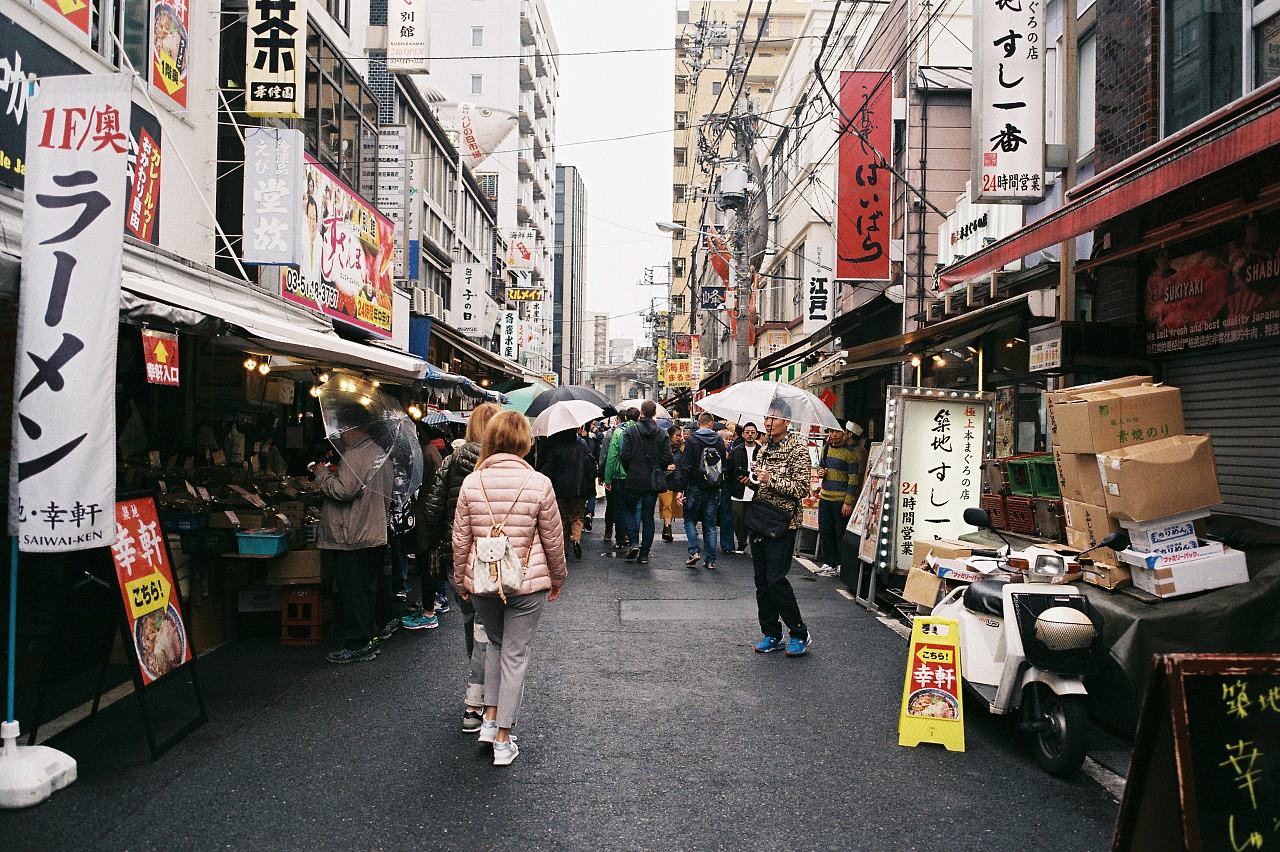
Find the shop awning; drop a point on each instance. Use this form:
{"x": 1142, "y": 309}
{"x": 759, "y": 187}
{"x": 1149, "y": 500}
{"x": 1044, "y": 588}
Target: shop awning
{"x": 478, "y": 353}
{"x": 1223, "y": 138}
{"x": 263, "y": 319}
{"x": 816, "y": 375}
{"x": 717, "y": 378}
{"x": 948, "y": 334}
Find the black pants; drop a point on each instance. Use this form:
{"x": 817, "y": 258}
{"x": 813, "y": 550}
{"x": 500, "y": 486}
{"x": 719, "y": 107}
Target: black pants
{"x": 358, "y": 573}
{"x": 610, "y": 516}
{"x": 774, "y": 597}
{"x": 642, "y": 503}
{"x": 831, "y": 524}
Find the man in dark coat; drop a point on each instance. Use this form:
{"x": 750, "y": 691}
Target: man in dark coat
{"x": 566, "y": 460}
{"x": 646, "y": 456}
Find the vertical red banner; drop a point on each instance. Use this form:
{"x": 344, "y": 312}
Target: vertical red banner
{"x": 862, "y": 175}
{"x": 169, "y": 48}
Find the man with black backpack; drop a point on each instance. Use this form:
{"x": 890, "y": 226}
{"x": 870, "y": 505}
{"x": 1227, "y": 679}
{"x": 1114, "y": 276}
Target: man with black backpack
{"x": 646, "y": 456}
{"x": 702, "y": 471}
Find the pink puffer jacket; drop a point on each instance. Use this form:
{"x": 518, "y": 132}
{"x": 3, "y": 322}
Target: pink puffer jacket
{"x": 533, "y": 525}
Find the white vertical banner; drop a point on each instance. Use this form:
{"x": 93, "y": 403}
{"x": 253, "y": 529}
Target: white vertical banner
{"x": 275, "y": 76}
{"x": 407, "y": 36}
{"x": 273, "y": 213}
{"x": 819, "y": 284}
{"x": 510, "y": 325}
{"x": 62, "y": 475}
{"x": 1008, "y": 101}
{"x": 393, "y": 175}
{"x": 471, "y": 311}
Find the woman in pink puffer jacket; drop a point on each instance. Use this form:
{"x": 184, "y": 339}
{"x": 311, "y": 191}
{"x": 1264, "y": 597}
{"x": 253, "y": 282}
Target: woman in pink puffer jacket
{"x": 505, "y": 489}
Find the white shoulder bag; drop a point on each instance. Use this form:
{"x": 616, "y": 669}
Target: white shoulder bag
{"x": 495, "y": 566}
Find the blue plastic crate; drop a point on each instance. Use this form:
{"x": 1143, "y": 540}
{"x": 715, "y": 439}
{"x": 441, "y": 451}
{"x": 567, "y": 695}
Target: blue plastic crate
{"x": 183, "y": 521}
{"x": 264, "y": 543}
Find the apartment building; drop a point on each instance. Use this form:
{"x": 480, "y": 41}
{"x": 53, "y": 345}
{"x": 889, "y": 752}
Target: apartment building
{"x": 706, "y": 41}
{"x": 569, "y": 313}
{"x": 513, "y": 66}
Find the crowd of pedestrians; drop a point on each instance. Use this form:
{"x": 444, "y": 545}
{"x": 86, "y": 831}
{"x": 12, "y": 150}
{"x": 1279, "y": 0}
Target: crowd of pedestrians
{"x": 495, "y": 521}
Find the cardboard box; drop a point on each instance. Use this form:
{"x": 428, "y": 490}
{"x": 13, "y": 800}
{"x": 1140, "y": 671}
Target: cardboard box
{"x": 1161, "y": 478}
{"x": 296, "y": 568}
{"x": 940, "y": 548}
{"x": 1107, "y": 420}
{"x": 1079, "y": 478}
{"x": 1092, "y": 523}
{"x": 1052, "y": 398}
{"x": 923, "y": 588}
{"x": 1165, "y": 535}
{"x": 1106, "y": 576}
{"x": 1164, "y": 560}
{"x": 1212, "y": 572}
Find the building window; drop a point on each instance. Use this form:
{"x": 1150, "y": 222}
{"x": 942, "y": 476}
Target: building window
{"x": 716, "y": 87}
{"x": 678, "y": 192}
{"x": 677, "y": 267}
{"x": 477, "y": 84}
{"x": 1266, "y": 47}
{"x": 1085, "y": 87}
{"x": 682, "y": 85}
{"x": 477, "y": 36}
{"x": 489, "y": 185}
{"x": 1203, "y": 58}
{"x": 681, "y": 157}
{"x": 340, "y": 11}
{"x": 682, "y": 120}
{"x": 677, "y": 304}
{"x": 341, "y": 117}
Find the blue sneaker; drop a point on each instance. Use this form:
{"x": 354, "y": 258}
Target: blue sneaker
{"x": 769, "y": 644}
{"x": 799, "y": 647}
{"x": 442, "y": 603}
{"x": 418, "y": 621}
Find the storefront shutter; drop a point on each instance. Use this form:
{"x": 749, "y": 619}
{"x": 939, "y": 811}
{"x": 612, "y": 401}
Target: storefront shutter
{"x": 1234, "y": 396}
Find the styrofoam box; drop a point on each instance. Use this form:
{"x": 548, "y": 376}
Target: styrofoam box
{"x": 1176, "y": 532}
{"x": 1212, "y": 572}
{"x": 1176, "y": 557}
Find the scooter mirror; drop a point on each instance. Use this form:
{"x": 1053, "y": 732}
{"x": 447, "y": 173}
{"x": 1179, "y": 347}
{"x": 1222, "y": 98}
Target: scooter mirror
{"x": 977, "y": 518}
{"x": 1115, "y": 541}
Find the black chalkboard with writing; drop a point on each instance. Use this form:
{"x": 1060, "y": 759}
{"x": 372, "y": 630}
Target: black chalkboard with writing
{"x": 1207, "y": 751}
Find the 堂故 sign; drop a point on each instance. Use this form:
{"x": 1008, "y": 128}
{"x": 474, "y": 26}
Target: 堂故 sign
{"x": 63, "y": 467}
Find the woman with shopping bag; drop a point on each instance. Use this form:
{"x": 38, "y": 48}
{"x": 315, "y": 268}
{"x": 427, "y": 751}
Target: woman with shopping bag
{"x": 508, "y": 558}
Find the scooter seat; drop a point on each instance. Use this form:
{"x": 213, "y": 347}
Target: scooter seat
{"x": 984, "y": 597}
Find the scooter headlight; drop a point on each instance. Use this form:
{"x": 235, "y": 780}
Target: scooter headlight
{"x": 1063, "y": 628}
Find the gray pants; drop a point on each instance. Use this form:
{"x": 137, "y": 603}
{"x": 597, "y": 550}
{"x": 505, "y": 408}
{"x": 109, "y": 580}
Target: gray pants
{"x": 510, "y": 628}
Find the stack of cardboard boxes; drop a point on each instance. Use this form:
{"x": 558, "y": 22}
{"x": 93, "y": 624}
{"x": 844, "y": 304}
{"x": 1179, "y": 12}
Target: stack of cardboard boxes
{"x": 1123, "y": 461}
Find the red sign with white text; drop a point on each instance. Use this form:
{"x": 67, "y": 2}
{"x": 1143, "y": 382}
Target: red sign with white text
{"x": 161, "y": 353}
{"x": 152, "y": 610}
{"x": 862, "y": 175}
{"x": 144, "y": 191}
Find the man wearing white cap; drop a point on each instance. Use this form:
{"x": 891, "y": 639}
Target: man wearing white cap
{"x": 841, "y": 472}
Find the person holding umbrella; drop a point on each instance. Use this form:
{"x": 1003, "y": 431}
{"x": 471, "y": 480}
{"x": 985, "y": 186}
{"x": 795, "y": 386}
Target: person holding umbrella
{"x": 353, "y": 529}
{"x": 646, "y": 456}
{"x": 566, "y": 459}
{"x": 781, "y": 479}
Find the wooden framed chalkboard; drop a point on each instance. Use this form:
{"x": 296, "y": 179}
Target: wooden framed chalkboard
{"x": 1205, "y": 773}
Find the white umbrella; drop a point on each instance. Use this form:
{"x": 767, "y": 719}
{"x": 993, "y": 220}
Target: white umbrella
{"x": 751, "y": 402}
{"x": 635, "y": 403}
{"x": 569, "y": 414}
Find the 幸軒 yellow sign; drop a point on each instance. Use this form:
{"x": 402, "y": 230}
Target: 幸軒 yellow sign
{"x": 932, "y": 707}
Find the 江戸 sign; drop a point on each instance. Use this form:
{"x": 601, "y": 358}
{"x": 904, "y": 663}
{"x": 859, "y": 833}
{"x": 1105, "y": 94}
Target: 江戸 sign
{"x": 1008, "y": 101}
{"x": 276, "y": 58}
{"x": 819, "y": 285}
{"x": 62, "y": 476}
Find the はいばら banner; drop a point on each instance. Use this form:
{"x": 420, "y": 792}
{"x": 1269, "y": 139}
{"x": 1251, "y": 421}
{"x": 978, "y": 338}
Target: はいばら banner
{"x": 62, "y": 477}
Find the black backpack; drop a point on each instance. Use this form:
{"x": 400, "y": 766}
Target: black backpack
{"x": 712, "y": 465}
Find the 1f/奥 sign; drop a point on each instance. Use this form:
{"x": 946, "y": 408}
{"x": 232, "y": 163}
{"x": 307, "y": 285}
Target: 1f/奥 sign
{"x": 63, "y": 470}
{"x": 1008, "y": 101}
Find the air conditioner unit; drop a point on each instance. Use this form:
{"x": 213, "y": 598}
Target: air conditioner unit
{"x": 419, "y": 305}
{"x": 435, "y": 304}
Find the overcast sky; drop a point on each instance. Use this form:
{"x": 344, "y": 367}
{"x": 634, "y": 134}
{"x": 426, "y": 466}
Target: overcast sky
{"x": 628, "y": 181}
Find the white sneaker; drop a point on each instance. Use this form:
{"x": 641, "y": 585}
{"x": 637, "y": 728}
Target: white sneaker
{"x": 505, "y": 753}
{"x": 488, "y": 731}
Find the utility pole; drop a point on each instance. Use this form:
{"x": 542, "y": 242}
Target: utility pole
{"x": 1070, "y": 132}
{"x": 741, "y": 265}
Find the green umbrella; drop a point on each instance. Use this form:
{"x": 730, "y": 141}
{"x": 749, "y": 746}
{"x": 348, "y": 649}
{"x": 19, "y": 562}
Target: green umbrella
{"x": 520, "y": 400}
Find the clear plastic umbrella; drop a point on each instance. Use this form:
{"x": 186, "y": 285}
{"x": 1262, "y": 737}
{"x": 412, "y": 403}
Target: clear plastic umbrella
{"x": 355, "y": 413}
{"x": 662, "y": 414}
{"x": 566, "y": 415}
{"x": 751, "y": 402}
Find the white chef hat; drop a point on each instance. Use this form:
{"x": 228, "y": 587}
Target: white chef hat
{"x": 853, "y": 428}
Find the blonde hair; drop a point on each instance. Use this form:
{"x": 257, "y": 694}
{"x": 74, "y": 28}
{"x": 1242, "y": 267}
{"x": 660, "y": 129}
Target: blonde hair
{"x": 479, "y": 420}
{"x": 508, "y": 432}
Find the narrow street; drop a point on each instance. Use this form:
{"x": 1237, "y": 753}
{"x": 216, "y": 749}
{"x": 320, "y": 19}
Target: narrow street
{"x": 648, "y": 724}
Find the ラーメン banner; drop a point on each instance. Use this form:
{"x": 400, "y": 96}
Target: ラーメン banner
{"x": 169, "y": 43}
{"x": 62, "y": 476}
{"x": 347, "y": 245}
{"x": 862, "y": 175}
